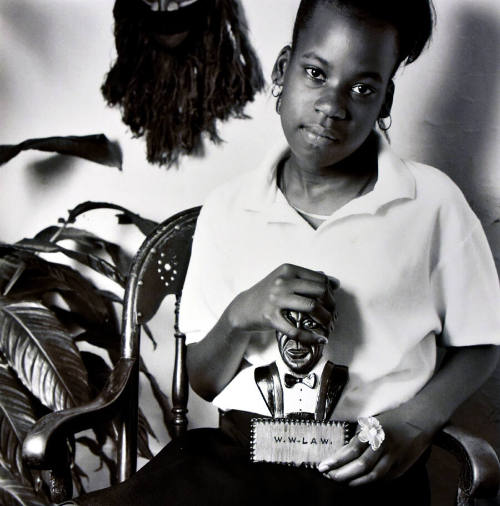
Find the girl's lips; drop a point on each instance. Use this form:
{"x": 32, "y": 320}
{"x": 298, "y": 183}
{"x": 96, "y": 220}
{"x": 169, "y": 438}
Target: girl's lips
{"x": 316, "y": 134}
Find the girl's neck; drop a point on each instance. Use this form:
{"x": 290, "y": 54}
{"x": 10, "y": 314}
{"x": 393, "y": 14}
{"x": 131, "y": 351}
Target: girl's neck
{"x": 325, "y": 190}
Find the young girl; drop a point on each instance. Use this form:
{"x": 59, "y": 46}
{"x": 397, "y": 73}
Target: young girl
{"x": 334, "y": 225}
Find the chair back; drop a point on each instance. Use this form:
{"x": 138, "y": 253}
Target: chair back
{"x": 158, "y": 269}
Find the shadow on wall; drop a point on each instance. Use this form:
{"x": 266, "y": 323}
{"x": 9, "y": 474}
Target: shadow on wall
{"x": 459, "y": 134}
{"x": 52, "y": 168}
{"x": 459, "y": 120}
{"x": 26, "y": 23}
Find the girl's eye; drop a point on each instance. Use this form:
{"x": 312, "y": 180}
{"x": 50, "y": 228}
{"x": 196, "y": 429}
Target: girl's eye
{"x": 363, "y": 89}
{"x": 315, "y": 74}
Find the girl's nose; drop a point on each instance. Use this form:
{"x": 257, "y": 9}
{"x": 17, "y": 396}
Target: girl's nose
{"x": 331, "y": 104}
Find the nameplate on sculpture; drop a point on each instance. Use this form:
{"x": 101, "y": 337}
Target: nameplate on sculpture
{"x": 295, "y": 442}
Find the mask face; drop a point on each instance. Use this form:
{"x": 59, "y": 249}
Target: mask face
{"x": 169, "y": 22}
{"x": 177, "y": 72}
{"x": 168, "y": 5}
{"x": 299, "y": 357}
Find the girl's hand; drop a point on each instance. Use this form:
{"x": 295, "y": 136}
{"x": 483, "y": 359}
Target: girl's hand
{"x": 357, "y": 464}
{"x": 292, "y": 288}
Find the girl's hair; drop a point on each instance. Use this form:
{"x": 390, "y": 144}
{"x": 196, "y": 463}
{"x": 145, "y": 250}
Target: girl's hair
{"x": 412, "y": 19}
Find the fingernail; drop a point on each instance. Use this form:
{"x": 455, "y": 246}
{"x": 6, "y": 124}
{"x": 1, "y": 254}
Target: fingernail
{"x": 322, "y": 468}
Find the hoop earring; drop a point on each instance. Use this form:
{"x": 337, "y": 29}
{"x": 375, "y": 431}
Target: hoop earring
{"x": 382, "y": 125}
{"x": 276, "y": 90}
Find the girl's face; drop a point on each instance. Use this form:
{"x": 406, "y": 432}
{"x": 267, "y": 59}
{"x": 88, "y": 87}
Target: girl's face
{"x": 335, "y": 83}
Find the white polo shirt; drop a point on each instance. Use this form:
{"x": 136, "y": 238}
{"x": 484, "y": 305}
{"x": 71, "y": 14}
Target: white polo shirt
{"x": 412, "y": 259}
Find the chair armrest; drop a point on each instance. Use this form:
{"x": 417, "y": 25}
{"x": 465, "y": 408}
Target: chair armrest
{"x": 479, "y": 465}
{"x": 41, "y": 447}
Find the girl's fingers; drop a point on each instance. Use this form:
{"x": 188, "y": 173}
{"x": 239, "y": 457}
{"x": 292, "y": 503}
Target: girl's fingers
{"x": 321, "y": 291}
{"x": 328, "y": 284}
{"x": 303, "y": 273}
{"x": 309, "y": 337}
{"x": 308, "y": 288}
{"x": 329, "y": 297}
{"x": 299, "y": 289}
{"x": 361, "y": 466}
{"x": 281, "y": 324}
{"x": 290, "y": 271}
{"x": 347, "y": 453}
{"x": 381, "y": 469}
{"x": 333, "y": 282}
{"x": 312, "y": 307}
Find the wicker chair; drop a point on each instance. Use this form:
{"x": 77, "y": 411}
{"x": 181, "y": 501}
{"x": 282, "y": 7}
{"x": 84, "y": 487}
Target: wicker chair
{"x": 158, "y": 270}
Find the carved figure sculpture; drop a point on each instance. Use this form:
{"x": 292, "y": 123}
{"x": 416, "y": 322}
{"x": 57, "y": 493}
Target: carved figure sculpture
{"x": 325, "y": 379}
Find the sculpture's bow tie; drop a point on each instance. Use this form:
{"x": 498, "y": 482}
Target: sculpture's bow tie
{"x": 309, "y": 381}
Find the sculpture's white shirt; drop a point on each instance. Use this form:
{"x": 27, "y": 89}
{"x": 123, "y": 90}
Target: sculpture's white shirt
{"x": 412, "y": 259}
{"x": 243, "y": 394}
{"x": 300, "y": 398}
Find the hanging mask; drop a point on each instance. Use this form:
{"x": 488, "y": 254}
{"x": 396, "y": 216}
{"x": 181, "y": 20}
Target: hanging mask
{"x": 181, "y": 66}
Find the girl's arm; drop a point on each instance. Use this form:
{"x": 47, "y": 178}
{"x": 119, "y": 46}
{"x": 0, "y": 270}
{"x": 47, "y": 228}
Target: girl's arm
{"x": 410, "y": 427}
{"x": 213, "y": 362}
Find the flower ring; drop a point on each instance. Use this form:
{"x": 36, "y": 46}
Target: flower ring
{"x": 371, "y": 432}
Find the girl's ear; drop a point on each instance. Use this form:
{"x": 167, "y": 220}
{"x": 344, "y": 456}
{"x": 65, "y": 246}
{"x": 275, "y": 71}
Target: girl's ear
{"x": 279, "y": 69}
{"x": 385, "y": 110}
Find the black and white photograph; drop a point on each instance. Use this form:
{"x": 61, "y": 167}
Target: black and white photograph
{"x": 249, "y": 253}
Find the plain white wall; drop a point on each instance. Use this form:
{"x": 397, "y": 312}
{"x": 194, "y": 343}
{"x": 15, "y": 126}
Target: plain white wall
{"x": 55, "y": 53}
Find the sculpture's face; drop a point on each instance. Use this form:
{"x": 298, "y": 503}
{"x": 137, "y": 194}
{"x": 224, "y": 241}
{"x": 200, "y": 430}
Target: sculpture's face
{"x": 299, "y": 357}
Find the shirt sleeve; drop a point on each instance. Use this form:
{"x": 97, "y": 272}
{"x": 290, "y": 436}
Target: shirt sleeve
{"x": 206, "y": 291}
{"x": 466, "y": 290}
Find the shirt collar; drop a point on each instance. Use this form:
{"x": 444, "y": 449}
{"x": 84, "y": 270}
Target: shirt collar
{"x": 394, "y": 182}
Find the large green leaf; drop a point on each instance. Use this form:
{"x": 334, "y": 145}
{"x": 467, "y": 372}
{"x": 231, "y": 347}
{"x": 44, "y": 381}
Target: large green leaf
{"x": 40, "y": 277}
{"x": 93, "y": 261}
{"x": 106, "y": 341}
{"x": 96, "y": 148}
{"x": 143, "y": 224}
{"x": 88, "y": 242}
{"x": 11, "y": 268}
{"x": 143, "y": 429}
{"x": 14, "y": 492}
{"x": 44, "y": 357}
{"x": 16, "y": 419}
{"x": 162, "y": 400}
{"x": 97, "y": 449}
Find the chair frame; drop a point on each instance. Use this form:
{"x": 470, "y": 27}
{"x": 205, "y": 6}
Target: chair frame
{"x": 480, "y": 468}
